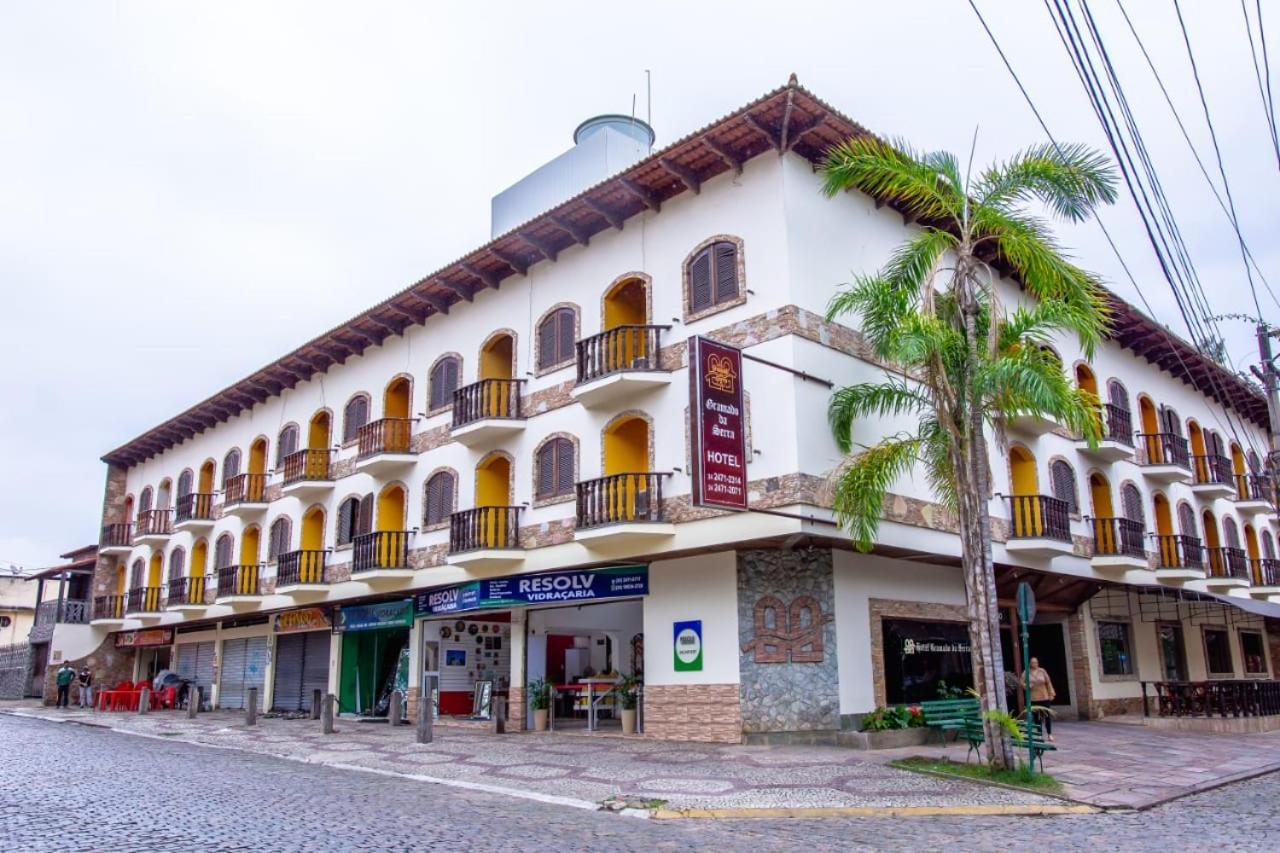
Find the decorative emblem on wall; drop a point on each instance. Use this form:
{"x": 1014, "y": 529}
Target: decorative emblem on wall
{"x": 720, "y": 374}
{"x": 788, "y": 634}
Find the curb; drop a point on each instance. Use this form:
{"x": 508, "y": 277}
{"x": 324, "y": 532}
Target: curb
{"x": 942, "y": 774}
{"x": 876, "y": 811}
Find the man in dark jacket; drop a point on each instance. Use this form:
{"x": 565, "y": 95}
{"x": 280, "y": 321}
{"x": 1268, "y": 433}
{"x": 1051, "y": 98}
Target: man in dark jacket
{"x": 85, "y": 682}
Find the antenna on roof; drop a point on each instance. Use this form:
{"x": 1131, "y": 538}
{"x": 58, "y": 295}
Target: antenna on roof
{"x": 648, "y": 96}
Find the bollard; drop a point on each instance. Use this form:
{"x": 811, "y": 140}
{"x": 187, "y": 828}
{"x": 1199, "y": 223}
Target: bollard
{"x": 251, "y": 708}
{"x": 326, "y": 715}
{"x": 395, "y": 715}
{"x": 144, "y": 701}
{"x": 193, "y": 701}
{"x": 317, "y": 701}
{"x": 425, "y": 733}
{"x": 499, "y": 716}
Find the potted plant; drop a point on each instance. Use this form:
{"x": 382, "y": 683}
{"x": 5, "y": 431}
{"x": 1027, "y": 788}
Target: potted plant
{"x": 539, "y": 693}
{"x": 628, "y": 691}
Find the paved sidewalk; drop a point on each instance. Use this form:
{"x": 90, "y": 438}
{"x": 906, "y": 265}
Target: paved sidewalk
{"x": 585, "y": 771}
{"x": 1129, "y": 765}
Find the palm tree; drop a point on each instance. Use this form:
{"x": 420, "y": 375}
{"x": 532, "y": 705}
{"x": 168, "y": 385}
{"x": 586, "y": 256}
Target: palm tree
{"x": 964, "y": 363}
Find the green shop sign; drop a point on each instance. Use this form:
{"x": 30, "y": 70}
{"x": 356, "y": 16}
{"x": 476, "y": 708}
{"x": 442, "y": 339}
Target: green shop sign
{"x": 376, "y": 617}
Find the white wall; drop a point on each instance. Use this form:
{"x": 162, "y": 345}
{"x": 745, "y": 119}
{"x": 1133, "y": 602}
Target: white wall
{"x": 706, "y": 588}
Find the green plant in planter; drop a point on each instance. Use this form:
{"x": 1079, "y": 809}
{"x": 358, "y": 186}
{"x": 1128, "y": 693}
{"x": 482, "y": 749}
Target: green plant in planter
{"x": 628, "y": 690}
{"x": 539, "y": 692}
{"x": 888, "y": 719}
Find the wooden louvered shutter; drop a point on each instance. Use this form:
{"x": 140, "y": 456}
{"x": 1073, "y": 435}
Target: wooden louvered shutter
{"x": 444, "y": 381}
{"x": 1231, "y": 533}
{"x": 364, "y": 519}
{"x": 1268, "y": 547}
{"x": 135, "y": 576}
{"x": 700, "y": 293}
{"x": 287, "y": 445}
{"x": 177, "y": 563}
{"x": 1131, "y": 503}
{"x": 346, "y": 520}
{"x": 184, "y": 483}
{"x": 726, "y": 255}
{"x": 144, "y": 502}
{"x": 222, "y": 553}
{"x": 1117, "y": 395}
{"x": 1064, "y": 485}
{"x": 1187, "y": 521}
{"x": 565, "y": 335}
{"x": 280, "y": 535}
{"x": 547, "y": 341}
{"x": 547, "y": 470}
{"x": 439, "y": 498}
{"x": 564, "y": 466}
{"x": 230, "y": 466}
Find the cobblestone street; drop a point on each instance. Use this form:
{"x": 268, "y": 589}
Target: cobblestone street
{"x": 110, "y": 791}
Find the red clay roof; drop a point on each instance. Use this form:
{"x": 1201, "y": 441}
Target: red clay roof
{"x": 789, "y": 118}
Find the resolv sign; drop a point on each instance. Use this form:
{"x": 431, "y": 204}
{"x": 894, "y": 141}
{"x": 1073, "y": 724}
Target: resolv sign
{"x": 719, "y": 425}
{"x": 542, "y": 588}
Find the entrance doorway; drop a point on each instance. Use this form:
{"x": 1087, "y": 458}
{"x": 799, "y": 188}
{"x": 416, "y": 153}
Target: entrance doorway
{"x": 1173, "y": 653}
{"x": 1049, "y": 645}
{"x": 374, "y": 663}
{"x": 467, "y": 660}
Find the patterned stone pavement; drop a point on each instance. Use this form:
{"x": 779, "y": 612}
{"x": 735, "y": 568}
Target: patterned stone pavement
{"x": 108, "y": 792}
{"x": 576, "y": 768}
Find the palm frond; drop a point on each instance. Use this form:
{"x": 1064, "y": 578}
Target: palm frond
{"x": 885, "y": 399}
{"x": 890, "y": 171}
{"x": 936, "y": 458}
{"x": 863, "y": 482}
{"x": 1031, "y": 381}
{"x": 1072, "y": 180}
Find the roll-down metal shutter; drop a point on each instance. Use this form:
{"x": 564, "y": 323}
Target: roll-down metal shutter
{"x": 244, "y": 665}
{"x": 302, "y": 665}
{"x": 195, "y": 664}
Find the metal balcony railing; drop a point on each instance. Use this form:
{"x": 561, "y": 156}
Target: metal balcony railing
{"x": 154, "y": 522}
{"x": 189, "y": 591}
{"x": 145, "y": 599}
{"x": 619, "y": 498}
{"x": 1117, "y": 424}
{"x": 245, "y": 489}
{"x": 300, "y": 567}
{"x": 1179, "y": 552}
{"x": 1118, "y": 537}
{"x": 629, "y": 347}
{"x": 488, "y": 398}
{"x": 1227, "y": 562}
{"x": 387, "y": 435}
{"x": 382, "y": 549}
{"x": 240, "y": 580}
{"x": 1211, "y": 468}
{"x": 1265, "y": 571}
{"x": 108, "y": 607}
{"x": 1165, "y": 448}
{"x": 197, "y": 506}
{"x": 1039, "y": 517}
{"x": 307, "y": 465}
{"x": 119, "y": 534}
{"x": 484, "y": 527}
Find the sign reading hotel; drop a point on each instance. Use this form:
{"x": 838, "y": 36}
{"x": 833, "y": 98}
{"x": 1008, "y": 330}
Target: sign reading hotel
{"x": 718, "y": 431}
{"x": 541, "y": 588}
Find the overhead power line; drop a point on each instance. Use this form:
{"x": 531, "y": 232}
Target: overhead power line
{"x": 1264, "y": 89}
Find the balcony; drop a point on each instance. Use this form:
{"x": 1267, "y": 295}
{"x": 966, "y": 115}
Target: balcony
{"x": 1212, "y": 476}
{"x": 308, "y": 473}
{"x": 1116, "y": 442}
{"x": 1039, "y": 526}
{"x": 485, "y": 537}
{"x": 300, "y": 575}
{"x": 619, "y": 363}
{"x": 49, "y": 614}
{"x": 117, "y": 539}
{"x": 154, "y": 527}
{"x": 194, "y": 512}
{"x": 1266, "y": 577}
{"x": 245, "y": 495}
{"x": 108, "y": 611}
{"x": 487, "y": 411}
{"x": 384, "y": 445}
{"x": 145, "y": 603}
{"x": 381, "y": 558}
{"x": 1228, "y": 567}
{"x": 239, "y": 587}
{"x": 1167, "y": 458}
{"x": 186, "y": 595}
{"x": 1118, "y": 544}
{"x": 1179, "y": 558}
{"x": 1255, "y": 493}
{"x": 621, "y": 509}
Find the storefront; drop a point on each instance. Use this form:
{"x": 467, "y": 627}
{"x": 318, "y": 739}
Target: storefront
{"x": 152, "y": 651}
{"x": 374, "y": 656}
{"x": 301, "y": 657}
{"x": 482, "y": 638}
{"x": 196, "y": 664}
{"x": 922, "y": 660}
{"x": 244, "y": 664}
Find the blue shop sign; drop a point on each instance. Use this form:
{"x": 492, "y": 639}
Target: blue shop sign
{"x": 543, "y": 588}
{"x": 374, "y": 617}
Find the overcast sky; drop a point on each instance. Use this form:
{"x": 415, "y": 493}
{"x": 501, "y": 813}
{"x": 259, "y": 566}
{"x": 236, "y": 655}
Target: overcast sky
{"x": 189, "y": 190}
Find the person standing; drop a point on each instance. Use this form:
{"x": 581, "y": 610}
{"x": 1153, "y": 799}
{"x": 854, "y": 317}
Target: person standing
{"x": 63, "y": 679}
{"x": 1042, "y": 693}
{"x": 85, "y": 683}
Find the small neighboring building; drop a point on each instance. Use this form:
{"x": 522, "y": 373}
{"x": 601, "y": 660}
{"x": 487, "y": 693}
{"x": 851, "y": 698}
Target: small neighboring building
{"x": 17, "y": 605}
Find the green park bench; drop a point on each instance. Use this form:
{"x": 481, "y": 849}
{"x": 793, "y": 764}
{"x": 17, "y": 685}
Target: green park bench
{"x": 948, "y": 715}
{"x": 972, "y": 731}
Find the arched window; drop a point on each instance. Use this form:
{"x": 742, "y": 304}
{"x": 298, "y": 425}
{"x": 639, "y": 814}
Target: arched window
{"x": 280, "y": 538}
{"x": 1117, "y": 395}
{"x": 354, "y": 416}
{"x": 437, "y": 504}
{"x": 1231, "y": 533}
{"x": 223, "y": 551}
{"x": 1063, "y": 478}
{"x": 286, "y": 444}
{"x": 1268, "y": 546}
{"x": 443, "y": 381}
{"x": 185, "y": 481}
{"x": 144, "y": 500}
{"x": 1187, "y": 521}
{"x": 135, "y": 574}
{"x": 713, "y": 276}
{"x": 177, "y": 564}
{"x": 556, "y": 334}
{"x": 355, "y": 517}
{"x": 1251, "y": 459}
{"x": 1131, "y": 502}
{"x": 555, "y": 468}
{"x": 230, "y": 465}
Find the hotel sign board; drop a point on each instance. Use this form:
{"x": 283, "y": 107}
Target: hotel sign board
{"x": 718, "y": 429}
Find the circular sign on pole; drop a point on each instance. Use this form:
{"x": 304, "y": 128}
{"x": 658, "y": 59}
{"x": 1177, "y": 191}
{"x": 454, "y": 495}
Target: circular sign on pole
{"x": 1026, "y": 603}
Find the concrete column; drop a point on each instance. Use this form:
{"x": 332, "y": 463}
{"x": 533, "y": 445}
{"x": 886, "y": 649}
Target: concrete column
{"x": 193, "y": 701}
{"x": 326, "y": 716}
{"x": 425, "y": 733}
{"x": 395, "y": 714}
{"x": 251, "y": 708}
{"x": 499, "y": 715}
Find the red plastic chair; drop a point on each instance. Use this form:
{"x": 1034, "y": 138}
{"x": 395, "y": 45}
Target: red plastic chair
{"x": 166, "y": 698}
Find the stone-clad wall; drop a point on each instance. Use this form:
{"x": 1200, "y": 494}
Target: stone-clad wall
{"x": 693, "y": 712}
{"x": 789, "y": 678}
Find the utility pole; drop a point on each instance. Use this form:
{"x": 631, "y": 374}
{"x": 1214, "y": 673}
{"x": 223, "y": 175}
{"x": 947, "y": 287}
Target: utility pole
{"x": 1268, "y": 376}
